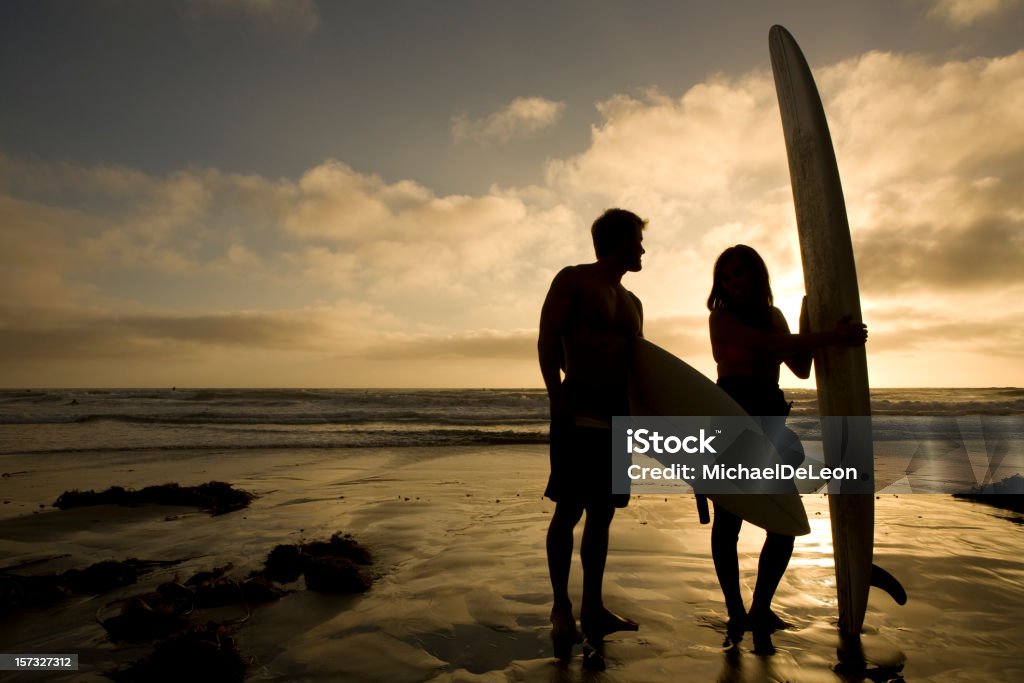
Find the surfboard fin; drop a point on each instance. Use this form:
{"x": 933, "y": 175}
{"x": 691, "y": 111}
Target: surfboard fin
{"x": 889, "y": 583}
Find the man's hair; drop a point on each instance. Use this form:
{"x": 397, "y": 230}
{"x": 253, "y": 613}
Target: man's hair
{"x": 613, "y": 228}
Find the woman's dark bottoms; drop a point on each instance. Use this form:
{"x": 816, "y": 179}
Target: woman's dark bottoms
{"x": 756, "y": 395}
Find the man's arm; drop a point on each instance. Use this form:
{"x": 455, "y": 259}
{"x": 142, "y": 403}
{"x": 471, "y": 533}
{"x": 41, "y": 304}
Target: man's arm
{"x": 639, "y": 312}
{"x": 554, "y": 320}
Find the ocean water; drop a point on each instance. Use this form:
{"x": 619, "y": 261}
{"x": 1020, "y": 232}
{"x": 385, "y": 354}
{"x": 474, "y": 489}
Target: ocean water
{"x": 84, "y": 420}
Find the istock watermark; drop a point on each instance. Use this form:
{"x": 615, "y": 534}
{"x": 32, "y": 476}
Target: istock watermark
{"x": 807, "y": 454}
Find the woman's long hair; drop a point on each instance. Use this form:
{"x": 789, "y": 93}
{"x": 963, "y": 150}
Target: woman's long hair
{"x": 757, "y": 311}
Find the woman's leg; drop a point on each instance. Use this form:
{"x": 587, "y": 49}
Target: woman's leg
{"x": 774, "y": 559}
{"x": 725, "y": 533}
{"x": 775, "y": 555}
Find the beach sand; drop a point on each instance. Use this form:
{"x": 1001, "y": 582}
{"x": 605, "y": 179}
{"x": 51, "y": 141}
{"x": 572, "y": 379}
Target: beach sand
{"x": 461, "y": 590}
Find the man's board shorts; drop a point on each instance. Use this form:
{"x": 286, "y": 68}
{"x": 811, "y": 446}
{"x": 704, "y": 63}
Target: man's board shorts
{"x": 581, "y": 465}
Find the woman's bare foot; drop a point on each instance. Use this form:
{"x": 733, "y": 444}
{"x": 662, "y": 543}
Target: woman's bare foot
{"x": 767, "y": 620}
{"x": 737, "y": 626}
{"x": 763, "y": 623}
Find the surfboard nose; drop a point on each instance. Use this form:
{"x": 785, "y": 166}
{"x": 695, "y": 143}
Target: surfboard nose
{"x": 778, "y": 33}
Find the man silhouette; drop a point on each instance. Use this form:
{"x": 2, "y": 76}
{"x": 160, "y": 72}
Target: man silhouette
{"x": 588, "y": 324}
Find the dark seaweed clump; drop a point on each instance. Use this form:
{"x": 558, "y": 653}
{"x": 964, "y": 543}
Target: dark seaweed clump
{"x": 191, "y": 652}
{"x": 165, "y": 611}
{"x": 1007, "y": 494}
{"x": 215, "y": 497}
{"x": 328, "y": 566}
{"x": 203, "y": 653}
{"x": 46, "y": 589}
{"x": 184, "y": 650}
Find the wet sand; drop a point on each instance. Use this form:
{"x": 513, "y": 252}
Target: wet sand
{"x": 462, "y": 591}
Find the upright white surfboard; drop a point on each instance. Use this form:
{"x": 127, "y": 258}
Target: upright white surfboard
{"x": 830, "y": 279}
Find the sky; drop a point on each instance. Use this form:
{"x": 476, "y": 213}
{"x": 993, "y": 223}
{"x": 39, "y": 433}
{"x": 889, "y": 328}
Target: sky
{"x": 302, "y": 193}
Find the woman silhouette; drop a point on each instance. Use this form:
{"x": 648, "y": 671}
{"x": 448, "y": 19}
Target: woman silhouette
{"x": 750, "y": 339}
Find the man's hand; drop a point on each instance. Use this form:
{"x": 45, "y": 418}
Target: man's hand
{"x": 559, "y": 404}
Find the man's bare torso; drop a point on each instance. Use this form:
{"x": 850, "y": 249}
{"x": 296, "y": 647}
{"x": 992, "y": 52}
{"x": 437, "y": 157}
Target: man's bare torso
{"x": 605, "y": 320}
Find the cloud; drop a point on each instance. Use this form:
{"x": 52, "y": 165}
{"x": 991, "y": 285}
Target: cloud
{"x": 680, "y": 157}
{"x": 105, "y": 262}
{"x": 923, "y": 330}
{"x": 67, "y": 223}
{"x": 899, "y": 256}
{"x": 83, "y": 334}
{"x": 960, "y": 13}
{"x": 341, "y": 345}
{"x": 400, "y": 239}
{"x": 522, "y": 117}
{"x": 932, "y": 184}
{"x": 283, "y": 17}
{"x": 338, "y": 204}
{"x": 489, "y": 345}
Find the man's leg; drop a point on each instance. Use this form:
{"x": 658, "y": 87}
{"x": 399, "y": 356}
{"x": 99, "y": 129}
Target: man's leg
{"x": 594, "y": 553}
{"x": 559, "y": 544}
{"x": 596, "y": 619}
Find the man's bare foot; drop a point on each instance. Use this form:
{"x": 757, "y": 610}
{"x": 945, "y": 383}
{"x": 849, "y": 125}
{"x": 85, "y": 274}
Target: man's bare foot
{"x": 597, "y": 626}
{"x": 564, "y": 633}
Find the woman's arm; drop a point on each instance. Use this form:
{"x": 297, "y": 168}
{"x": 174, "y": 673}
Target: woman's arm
{"x": 726, "y": 328}
{"x": 799, "y": 362}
